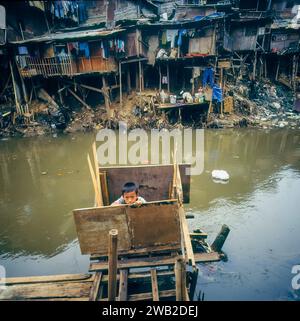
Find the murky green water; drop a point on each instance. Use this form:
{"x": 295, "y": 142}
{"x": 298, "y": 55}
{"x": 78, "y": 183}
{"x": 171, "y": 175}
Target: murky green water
{"x": 43, "y": 179}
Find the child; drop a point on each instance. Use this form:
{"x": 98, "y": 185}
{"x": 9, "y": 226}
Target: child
{"x": 130, "y": 196}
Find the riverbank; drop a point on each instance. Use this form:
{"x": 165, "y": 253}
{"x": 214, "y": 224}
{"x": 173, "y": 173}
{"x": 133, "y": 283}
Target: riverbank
{"x": 262, "y": 105}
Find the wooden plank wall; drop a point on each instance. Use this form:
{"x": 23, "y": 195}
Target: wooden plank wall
{"x": 154, "y": 181}
{"x": 152, "y": 225}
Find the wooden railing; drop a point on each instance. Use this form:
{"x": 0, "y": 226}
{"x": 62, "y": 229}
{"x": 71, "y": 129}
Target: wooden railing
{"x": 63, "y": 65}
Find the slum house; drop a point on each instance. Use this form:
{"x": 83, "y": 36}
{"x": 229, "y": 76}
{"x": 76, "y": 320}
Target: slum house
{"x": 284, "y": 46}
{"x": 249, "y": 38}
{"x": 182, "y": 53}
{"x": 92, "y": 52}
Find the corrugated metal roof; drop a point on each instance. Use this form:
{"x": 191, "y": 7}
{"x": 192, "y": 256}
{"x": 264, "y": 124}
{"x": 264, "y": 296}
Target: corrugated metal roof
{"x": 74, "y": 35}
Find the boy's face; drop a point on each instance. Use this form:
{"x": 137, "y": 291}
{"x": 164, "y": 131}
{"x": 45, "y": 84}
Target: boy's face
{"x": 130, "y": 197}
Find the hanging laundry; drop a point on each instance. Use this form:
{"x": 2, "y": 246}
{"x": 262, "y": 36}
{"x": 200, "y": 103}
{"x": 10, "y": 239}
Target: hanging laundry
{"x": 82, "y": 14}
{"x": 73, "y": 47}
{"x": 84, "y": 46}
{"x": 208, "y": 77}
{"x": 164, "y": 38}
{"x": 58, "y": 9}
{"x": 171, "y": 35}
{"x": 217, "y": 93}
{"x": 196, "y": 72}
{"x": 105, "y": 49}
{"x": 22, "y": 61}
{"x": 182, "y": 32}
{"x": 23, "y": 50}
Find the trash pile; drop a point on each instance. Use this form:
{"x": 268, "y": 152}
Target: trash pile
{"x": 265, "y": 104}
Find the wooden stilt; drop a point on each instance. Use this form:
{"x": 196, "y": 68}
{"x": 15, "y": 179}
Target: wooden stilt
{"x": 154, "y": 284}
{"x": 79, "y": 99}
{"x": 220, "y": 239}
{"x": 168, "y": 76}
{"x": 180, "y": 276}
{"x": 18, "y": 108}
{"x": 112, "y": 264}
{"x": 106, "y": 96}
{"x": 128, "y": 80}
{"x": 123, "y": 295}
{"x": 120, "y": 84}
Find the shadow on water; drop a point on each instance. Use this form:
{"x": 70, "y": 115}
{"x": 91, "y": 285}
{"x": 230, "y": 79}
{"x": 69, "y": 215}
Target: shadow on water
{"x": 43, "y": 179}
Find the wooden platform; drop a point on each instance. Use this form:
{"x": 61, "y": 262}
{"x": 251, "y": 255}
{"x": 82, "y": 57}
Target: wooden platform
{"x": 180, "y": 105}
{"x": 92, "y": 286}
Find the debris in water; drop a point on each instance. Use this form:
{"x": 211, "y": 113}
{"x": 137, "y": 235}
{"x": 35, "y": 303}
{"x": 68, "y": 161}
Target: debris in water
{"x": 220, "y": 176}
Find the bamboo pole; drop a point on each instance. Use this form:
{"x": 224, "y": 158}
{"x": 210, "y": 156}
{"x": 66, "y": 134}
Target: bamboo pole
{"x": 97, "y": 193}
{"x": 97, "y": 172}
{"x": 112, "y": 264}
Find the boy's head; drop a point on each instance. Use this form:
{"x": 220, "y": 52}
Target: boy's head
{"x": 130, "y": 192}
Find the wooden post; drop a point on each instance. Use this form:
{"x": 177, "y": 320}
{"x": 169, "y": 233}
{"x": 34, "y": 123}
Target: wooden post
{"x": 159, "y": 69}
{"x": 106, "y": 96}
{"x": 221, "y": 85}
{"x": 120, "y": 83}
{"x": 254, "y": 65}
{"x": 140, "y": 76}
{"x": 277, "y": 70}
{"x": 193, "y": 283}
{"x": 155, "y": 293}
{"x": 220, "y": 239}
{"x": 180, "y": 276}
{"x": 123, "y": 296}
{"x": 168, "y": 76}
{"x": 128, "y": 80}
{"x": 15, "y": 89}
{"x": 112, "y": 264}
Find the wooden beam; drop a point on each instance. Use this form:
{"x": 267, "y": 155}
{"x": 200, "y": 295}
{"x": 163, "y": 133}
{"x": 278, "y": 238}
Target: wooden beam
{"x": 135, "y": 263}
{"x": 154, "y": 285}
{"x": 148, "y": 296}
{"x": 106, "y": 96}
{"x": 95, "y": 287}
{"x": 48, "y": 278}
{"x": 123, "y": 296}
{"x": 79, "y": 99}
{"x": 178, "y": 276}
{"x": 112, "y": 264}
{"x": 18, "y": 108}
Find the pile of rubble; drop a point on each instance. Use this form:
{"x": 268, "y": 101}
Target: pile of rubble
{"x": 265, "y": 104}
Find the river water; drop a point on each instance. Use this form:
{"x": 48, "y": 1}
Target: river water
{"x": 43, "y": 179}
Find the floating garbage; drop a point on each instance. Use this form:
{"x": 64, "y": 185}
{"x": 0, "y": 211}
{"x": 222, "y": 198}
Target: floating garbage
{"x": 220, "y": 176}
